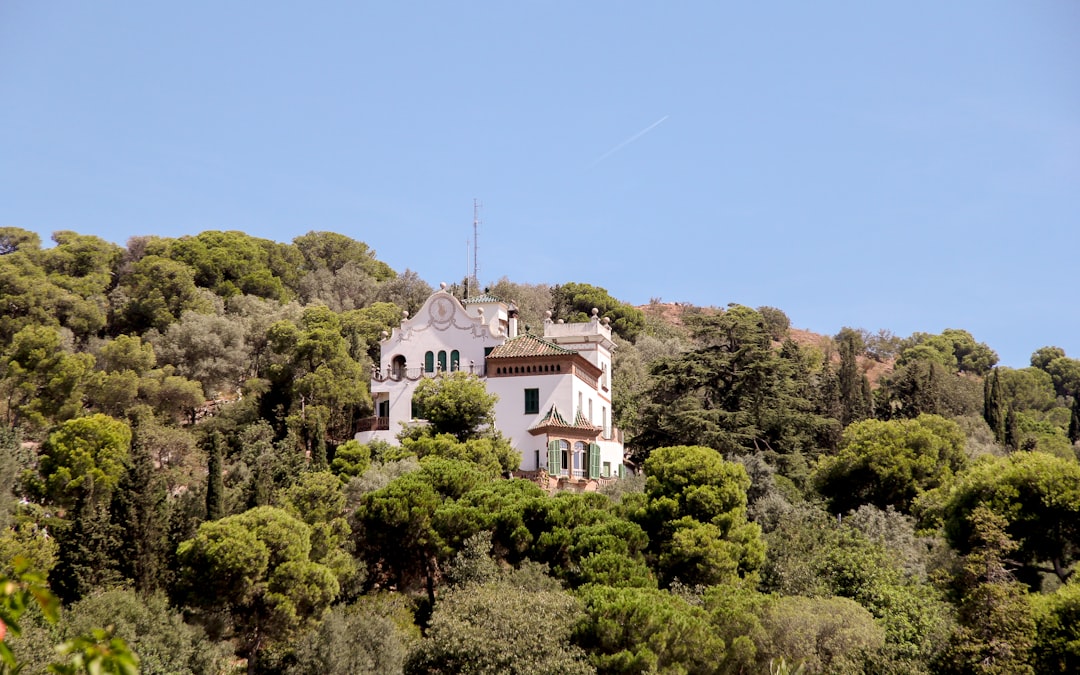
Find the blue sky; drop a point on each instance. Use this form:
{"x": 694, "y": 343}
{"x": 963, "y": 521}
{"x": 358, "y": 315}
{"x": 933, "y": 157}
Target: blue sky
{"x": 907, "y": 166}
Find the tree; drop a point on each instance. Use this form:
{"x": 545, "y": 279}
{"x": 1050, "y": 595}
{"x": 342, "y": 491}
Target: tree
{"x": 150, "y": 627}
{"x": 852, "y": 399}
{"x": 256, "y": 567}
{"x": 827, "y": 635}
{"x": 494, "y": 628}
{"x": 695, "y": 516}
{"x": 43, "y": 381}
{"x": 84, "y": 457}
{"x": 456, "y": 403}
{"x": 495, "y": 456}
{"x": 215, "y": 487}
{"x": 994, "y": 406}
{"x": 1037, "y": 495}
{"x": 735, "y": 394}
{"x": 154, "y": 294}
{"x": 576, "y": 301}
{"x": 1057, "y": 642}
{"x": 891, "y": 463}
{"x": 997, "y": 622}
{"x": 641, "y": 630}
{"x": 140, "y": 509}
{"x": 372, "y": 636}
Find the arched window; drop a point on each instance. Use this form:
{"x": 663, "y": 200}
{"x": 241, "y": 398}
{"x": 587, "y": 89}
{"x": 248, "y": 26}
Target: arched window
{"x": 397, "y": 367}
{"x": 455, "y": 360}
{"x": 564, "y": 447}
{"x": 579, "y": 459}
{"x": 442, "y": 360}
{"x": 429, "y": 362}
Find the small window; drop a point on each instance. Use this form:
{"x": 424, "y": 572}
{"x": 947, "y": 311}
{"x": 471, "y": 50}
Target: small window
{"x": 442, "y": 361}
{"x": 455, "y": 360}
{"x": 487, "y": 350}
{"x": 532, "y": 401}
{"x": 565, "y": 447}
{"x": 607, "y": 470}
{"x": 429, "y": 362}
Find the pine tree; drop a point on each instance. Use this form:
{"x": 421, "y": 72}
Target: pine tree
{"x": 88, "y": 547}
{"x": 215, "y": 485}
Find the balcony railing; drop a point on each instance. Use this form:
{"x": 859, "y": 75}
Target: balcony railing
{"x": 372, "y": 424}
{"x": 397, "y": 374}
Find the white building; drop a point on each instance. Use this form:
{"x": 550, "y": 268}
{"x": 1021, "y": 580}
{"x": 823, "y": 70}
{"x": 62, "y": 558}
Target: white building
{"x": 554, "y": 389}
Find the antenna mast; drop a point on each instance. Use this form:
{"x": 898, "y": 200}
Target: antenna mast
{"x": 476, "y": 240}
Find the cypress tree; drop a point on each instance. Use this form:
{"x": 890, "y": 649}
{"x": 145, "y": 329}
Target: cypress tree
{"x": 139, "y": 507}
{"x": 994, "y": 406}
{"x": 851, "y": 394}
{"x": 1012, "y": 431}
{"x": 215, "y": 485}
{"x": 1074, "y": 420}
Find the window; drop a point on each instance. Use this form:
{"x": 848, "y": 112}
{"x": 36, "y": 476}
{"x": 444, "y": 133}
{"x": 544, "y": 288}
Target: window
{"x": 429, "y": 362}
{"x": 455, "y": 360}
{"x": 537, "y": 460}
{"x": 607, "y": 470}
{"x": 579, "y": 459}
{"x": 579, "y": 399}
{"x": 532, "y": 401}
{"x": 564, "y": 447}
{"x": 487, "y": 350}
{"x": 442, "y": 361}
{"x": 590, "y": 411}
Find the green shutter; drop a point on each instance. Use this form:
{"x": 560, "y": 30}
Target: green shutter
{"x": 554, "y": 450}
{"x": 622, "y": 471}
{"x": 429, "y": 362}
{"x": 455, "y": 360}
{"x": 594, "y": 460}
{"x": 442, "y": 360}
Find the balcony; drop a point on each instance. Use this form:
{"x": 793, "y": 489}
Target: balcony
{"x": 398, "y": 374}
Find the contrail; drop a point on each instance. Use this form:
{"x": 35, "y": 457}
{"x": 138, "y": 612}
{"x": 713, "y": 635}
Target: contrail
{"x": 630, "y": 140}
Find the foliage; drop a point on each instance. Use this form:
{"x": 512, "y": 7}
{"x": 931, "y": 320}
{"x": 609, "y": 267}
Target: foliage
{"x": 42, "y": 380}
{"x": 256, "y": 566}
{"x": 494, "y": 629}
{"x": 641, "y": 630}
{"x": 824, "y": 635}
{"x": 695, "y": 516}
{"x": 456, "y": 403}
{"x": 1037, "y": 495}
{"x": 372, "y": 636}
{"x": 83, "y": 455}
{"x": 576, "y": 301}
{"x": 891, "y": 463}
{"x": 735, "y": 394}
{"x": 495, "y": 456}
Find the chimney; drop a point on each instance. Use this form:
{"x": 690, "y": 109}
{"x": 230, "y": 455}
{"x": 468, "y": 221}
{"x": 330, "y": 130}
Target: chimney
{"x": 512, "y": 327}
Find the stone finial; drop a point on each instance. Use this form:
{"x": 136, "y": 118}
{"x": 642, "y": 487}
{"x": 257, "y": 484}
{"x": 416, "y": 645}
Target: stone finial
{"x": 384, "y": 334}
{"x": 547, "y": 314}
{"x": 595, "y": 311}
{"x": 606, "y": 321}
{"x": 404, "y": 314}
{"x": 442, "y": 285}
{"x": 560, "y": 322}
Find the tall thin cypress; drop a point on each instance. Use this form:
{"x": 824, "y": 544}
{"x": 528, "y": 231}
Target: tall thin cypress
{"x": 215, "y": 485}
{"x": 994, "y": 406}
{"x": 1074, "y": 419}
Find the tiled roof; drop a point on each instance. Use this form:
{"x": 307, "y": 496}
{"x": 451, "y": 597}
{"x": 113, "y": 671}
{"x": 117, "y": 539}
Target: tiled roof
{"x": 481, "y": 299}
{"x": 554, "y": 419}
{"x": 528, "y": 345}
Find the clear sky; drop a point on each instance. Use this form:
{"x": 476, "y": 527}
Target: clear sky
{"x": 911, "y": 166}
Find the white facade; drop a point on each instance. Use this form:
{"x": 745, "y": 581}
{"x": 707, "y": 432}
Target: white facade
{"x": 554, "y": 391}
